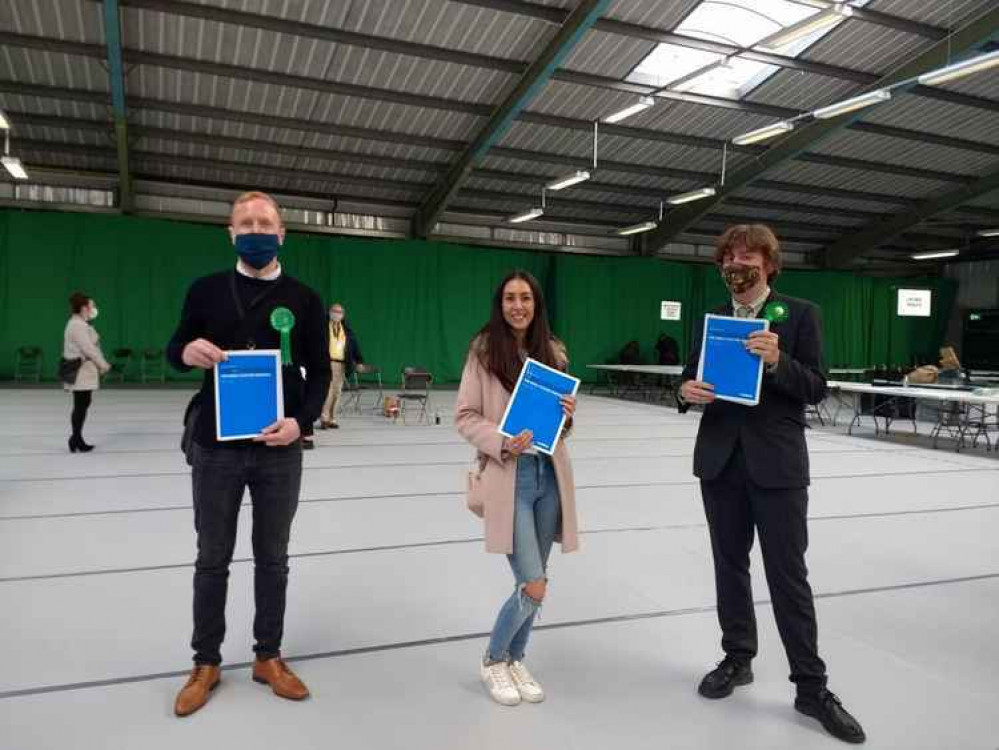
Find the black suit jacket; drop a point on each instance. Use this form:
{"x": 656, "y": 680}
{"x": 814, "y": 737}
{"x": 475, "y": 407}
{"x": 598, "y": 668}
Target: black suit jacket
{"x": 772, "y": 433}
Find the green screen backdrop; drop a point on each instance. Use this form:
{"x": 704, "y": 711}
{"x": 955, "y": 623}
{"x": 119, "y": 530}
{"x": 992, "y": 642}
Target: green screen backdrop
{"x": 411, "y": 302}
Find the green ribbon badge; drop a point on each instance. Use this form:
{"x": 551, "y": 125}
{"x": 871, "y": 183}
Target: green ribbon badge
{"x": 282, "y": 321}
{"x": 775, "y": 312}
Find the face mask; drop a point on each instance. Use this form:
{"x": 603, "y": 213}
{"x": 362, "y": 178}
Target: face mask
{"x": 93, "y": 313}
{"x": 257, "y": 250}
{"x": 738, "y": 277}
{"x": 336, "y": 317}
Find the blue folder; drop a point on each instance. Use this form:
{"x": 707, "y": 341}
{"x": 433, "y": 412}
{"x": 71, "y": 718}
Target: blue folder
{"x": 248, "y": 393}
{"x": 725, "y": 362}
{"x": 535, "y": 404}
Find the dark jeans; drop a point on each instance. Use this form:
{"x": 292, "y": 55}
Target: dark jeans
{"x": 220, "y": 474}
{"x": 734, "y": 505}
{"x": 81, "y": 403}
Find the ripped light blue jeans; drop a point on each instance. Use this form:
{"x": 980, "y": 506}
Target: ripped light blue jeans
{"x": 537, "y": 513}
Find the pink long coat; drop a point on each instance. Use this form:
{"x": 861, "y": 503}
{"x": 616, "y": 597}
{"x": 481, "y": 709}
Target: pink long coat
{"x": 482, "y": 401}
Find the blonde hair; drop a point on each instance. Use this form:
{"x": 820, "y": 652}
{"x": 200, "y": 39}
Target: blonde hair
{"x": 254, "y": 195}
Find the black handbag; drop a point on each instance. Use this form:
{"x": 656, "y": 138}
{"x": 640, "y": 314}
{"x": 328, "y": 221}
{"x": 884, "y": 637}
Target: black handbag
{"x": 68, "y": 369}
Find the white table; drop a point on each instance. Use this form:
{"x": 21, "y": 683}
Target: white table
{"x": 652, "y": 393}
{"x": 673, "y": 370}
{"x": 961, "y": 411}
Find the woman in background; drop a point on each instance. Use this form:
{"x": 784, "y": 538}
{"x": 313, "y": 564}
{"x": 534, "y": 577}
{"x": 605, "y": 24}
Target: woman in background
{"x": 82, "y": 344}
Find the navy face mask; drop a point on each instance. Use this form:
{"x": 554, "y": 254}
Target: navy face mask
{"x": 257, "y": 250}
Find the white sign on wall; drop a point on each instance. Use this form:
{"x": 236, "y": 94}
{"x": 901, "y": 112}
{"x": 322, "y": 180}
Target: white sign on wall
{"x": 914, "y": 303}
{"x": 670, "y": 310}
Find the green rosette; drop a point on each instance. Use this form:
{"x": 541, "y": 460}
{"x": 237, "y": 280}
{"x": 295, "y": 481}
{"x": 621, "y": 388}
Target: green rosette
{"x": 282, "y": 321}
{"x": 775, "y": 312}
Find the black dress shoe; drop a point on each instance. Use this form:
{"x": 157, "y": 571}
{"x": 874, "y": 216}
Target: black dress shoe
{"x": 308, "y": 445}
{"x": 825, "y": 707}
{"x": 721, "y": 681}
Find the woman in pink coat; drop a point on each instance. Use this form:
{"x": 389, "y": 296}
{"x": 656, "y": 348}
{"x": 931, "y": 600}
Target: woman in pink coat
{"x": 526, "y": 498}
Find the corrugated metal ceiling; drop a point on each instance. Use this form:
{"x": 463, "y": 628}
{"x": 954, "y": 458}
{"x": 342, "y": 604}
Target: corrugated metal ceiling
{"x": 796, "y": 89}
{"x": 866, "y": 46}
{"x": 941, "y": 118}
{"x": 888, "y": 150}
{"x": 654, "y": 13}
{"x": 469, "y": 28}
{"x": 854, "y": 179}
{"x": 943, "y": 13}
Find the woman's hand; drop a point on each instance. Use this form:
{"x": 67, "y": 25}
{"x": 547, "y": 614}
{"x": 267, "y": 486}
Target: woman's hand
{"x": 517, "y": 445}
{"x": 568, "y": 406}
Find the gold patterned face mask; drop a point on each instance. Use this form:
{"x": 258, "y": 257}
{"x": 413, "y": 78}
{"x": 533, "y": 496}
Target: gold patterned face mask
{"x": 739, "y": 277}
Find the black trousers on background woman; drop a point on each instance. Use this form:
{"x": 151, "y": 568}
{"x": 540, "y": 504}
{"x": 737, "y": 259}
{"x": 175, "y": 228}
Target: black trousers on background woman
{"x": 81, "y": 403}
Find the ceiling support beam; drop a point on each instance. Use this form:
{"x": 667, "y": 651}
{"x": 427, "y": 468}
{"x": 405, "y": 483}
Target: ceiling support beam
{"x": 531, "y": 83}
{"x": 964, "y": 41}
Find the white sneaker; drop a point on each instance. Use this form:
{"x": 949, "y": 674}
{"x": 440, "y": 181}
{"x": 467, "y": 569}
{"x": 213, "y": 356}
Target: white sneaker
{"x": 527, "y": 686}
{"x": 496, "y": 678}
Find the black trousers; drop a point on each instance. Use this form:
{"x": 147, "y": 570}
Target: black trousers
{"x": 220, "y": 475}
{"x": 81, "y": 403}
{"x": 734, "y": 506}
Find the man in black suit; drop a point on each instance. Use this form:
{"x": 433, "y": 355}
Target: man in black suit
{"x": 753, "y": 465}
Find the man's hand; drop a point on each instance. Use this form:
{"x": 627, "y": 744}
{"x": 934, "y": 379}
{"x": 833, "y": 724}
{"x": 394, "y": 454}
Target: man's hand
{"x": 202, "y": 353}
{"x": 282, "y": 432}
{"x": 764, "y": 344}
{"x": 697, "y": 392}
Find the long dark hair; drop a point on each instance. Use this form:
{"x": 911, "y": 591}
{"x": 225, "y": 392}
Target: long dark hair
{"x": 497, "y": 347}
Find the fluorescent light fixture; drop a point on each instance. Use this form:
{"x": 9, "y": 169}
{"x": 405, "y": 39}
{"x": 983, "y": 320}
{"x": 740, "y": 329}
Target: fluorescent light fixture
{"x": 645, "y": 226}
{"x": 693, "y": 195}
{"x": 961, "y": 69}
{"x": 807, "y": 26}
{"x": 13, "y": 165}
{"x": 580, "y": 175}
{"x": 644, "y": 103}
{"x": 4, "y": 121}
{"x": 935, "y": 254}
{"x": 526, "y": 216}
{"x": 988, "y": 232}
{"x": 849, "y": 105}
{"x": 762, "y": 134}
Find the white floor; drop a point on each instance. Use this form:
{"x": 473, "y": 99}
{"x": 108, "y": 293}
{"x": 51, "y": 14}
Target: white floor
{"x": 391, "y": 593}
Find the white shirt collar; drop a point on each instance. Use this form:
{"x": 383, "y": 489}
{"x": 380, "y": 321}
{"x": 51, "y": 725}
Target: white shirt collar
{"x": 756, "y": 304}
{"x": 242, "y": 268}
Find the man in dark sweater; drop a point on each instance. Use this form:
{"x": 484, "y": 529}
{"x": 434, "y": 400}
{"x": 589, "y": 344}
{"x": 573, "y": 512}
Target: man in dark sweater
{"x": 753, "y": 465}
{"x": 229, "y": 311}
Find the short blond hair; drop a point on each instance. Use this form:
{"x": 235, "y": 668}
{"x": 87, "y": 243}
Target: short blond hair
{"x": 254, "y": 195}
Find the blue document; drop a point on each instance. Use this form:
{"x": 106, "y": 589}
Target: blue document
{"x": 535, "y": 404}
{"x": 248, "y": 393}
{"x": 725, "y": 362}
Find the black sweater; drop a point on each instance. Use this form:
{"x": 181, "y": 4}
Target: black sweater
{"x": 210, "y": 312}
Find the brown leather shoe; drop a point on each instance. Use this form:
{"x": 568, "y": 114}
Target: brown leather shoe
{"x": 278, "y": 675}
{"x": 203, "y": 680}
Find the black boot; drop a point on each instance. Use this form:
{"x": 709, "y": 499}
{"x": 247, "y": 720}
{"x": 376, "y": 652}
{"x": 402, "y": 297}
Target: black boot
{"x": 76, "y": 444}
{"x": 721, "y": 681}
